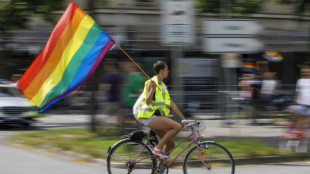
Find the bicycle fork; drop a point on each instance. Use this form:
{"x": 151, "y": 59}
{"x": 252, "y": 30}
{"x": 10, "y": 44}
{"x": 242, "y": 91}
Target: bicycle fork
{"x": 200, "y": 148}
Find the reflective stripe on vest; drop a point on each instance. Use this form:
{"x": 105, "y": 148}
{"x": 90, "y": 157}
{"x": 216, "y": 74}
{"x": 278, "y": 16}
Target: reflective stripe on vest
{"x": 146, "y": 109}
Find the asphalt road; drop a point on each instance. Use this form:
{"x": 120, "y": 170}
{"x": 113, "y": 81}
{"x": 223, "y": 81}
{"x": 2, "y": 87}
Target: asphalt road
{"x": 15, "y": 159}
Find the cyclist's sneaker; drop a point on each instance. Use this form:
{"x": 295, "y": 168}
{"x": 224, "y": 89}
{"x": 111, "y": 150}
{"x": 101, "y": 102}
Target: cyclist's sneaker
{"x": 159, "y": 153}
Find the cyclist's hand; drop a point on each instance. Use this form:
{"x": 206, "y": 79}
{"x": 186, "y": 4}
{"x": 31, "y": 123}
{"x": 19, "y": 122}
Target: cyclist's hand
{"x": 185, "y": 123}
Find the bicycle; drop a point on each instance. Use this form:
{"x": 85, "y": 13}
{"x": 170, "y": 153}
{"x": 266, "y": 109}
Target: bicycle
{"x": 134, "y": 155}
{"x": 295, "y": 138}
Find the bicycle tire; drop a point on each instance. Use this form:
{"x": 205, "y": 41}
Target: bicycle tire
{"x": 218, "y": 160}
{"x": 125, "y": 150}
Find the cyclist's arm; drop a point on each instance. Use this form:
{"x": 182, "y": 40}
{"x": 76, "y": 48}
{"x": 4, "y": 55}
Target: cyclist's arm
{"x": 176, "y": 110}
{"x": 150, "y": 89}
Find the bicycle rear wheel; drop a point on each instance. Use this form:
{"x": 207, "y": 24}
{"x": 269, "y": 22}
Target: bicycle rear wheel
{"x": 217, "y": 158}
{"x": 122, "y": 158}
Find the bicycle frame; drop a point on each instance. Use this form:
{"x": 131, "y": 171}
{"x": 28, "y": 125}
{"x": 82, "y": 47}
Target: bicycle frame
{"x": 195, "y": 140}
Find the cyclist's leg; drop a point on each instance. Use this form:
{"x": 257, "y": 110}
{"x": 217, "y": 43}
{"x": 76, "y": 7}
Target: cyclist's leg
{"x": 167, "y": 125}
{"x": 170, "y": 143}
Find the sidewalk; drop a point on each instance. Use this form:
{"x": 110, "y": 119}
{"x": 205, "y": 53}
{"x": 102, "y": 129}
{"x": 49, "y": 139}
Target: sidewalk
{"x": 242, "y": 128}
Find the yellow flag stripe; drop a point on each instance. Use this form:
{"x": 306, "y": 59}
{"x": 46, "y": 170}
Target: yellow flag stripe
{"x": 55, "y": 56}
{"x": 67, "y": 55}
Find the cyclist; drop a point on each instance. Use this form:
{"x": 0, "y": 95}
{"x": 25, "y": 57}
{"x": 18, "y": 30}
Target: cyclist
{"x": 156, "y": 106}
{"x": 300, "y": 111}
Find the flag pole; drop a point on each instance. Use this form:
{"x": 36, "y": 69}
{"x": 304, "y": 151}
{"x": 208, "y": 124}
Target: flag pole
{"x": 134, "y": 62}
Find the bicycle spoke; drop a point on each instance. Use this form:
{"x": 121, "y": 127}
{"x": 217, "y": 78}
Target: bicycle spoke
{"x": 123, "y": 158}
{"x": 216, "y": 160}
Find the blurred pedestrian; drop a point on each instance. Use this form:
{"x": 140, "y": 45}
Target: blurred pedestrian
{"x": 256, "y": 96}
{"x": 268, "y": 91}
{"x": 110, "y": 94}
{"x": 111, "y": 83}
{"x": 245, "y": 94}
{"x": 132, "y": 89}
{"x": 133, "y": 85}
{"x": 301, "y": 110}
{"x": 246, "y": 89}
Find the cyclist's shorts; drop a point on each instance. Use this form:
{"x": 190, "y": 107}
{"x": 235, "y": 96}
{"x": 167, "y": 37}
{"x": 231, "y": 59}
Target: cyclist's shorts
{"x": 146, "y": 121}
{"x": 300, "y": 110}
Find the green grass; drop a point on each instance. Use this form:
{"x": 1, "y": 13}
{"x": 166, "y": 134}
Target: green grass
{"x": 72, "y": 139}
{"x": 82, "y": 141}
{"x": 245, "y": 148}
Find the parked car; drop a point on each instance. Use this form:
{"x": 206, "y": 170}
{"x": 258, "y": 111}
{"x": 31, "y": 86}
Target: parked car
{"x": 15, "y": 108}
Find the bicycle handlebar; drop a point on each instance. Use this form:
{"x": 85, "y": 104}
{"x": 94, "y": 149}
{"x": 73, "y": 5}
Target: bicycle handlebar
{"x": 190, "y": 123}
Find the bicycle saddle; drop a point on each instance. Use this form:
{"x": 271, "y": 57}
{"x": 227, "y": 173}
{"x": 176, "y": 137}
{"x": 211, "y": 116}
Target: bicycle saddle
{"x": 137, "y": 135}
{"x": 153, "y": 138}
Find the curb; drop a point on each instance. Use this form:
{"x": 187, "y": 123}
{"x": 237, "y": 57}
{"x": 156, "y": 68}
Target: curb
{"x": 270, "y": 159}
{"x": 260, "y": 160}
{"x": 69, "y": 155}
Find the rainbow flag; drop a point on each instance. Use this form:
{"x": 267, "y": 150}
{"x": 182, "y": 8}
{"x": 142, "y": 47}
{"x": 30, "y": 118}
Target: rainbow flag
{"x": 73, "y": 51}
{"x": 249, "y": 67}
{"x": 273, "y": 56}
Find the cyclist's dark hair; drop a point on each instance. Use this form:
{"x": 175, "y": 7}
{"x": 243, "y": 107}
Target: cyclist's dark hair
{"x": 158, "y": 66}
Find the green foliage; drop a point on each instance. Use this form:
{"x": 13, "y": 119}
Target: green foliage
{"x": 250, "y": 6}
{"x": 208, "y": 6}
{"x": 300, "y": 5}
{"x": 15, "y": 13}
{"x": 235, "y": 6}
{"x": 246, "y": 6}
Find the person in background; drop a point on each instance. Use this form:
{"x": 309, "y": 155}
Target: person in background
{"x": 269, "y": 85}
{"x": 111, "y": 82}
{"x": 268, "y": 90}
{"x": 245, "y": 94}
{"x": 133, "y": 85}
{"x": 110, "y": 91}
{"x": 246, "y": 89}
{"x": 301, "y": 110}
{"x": 156, "y": 107}
{"x": 256, "y": 96}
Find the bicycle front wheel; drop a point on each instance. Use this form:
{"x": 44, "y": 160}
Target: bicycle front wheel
{"x": 131, "y": 157}
{"x": 216, "y": 160}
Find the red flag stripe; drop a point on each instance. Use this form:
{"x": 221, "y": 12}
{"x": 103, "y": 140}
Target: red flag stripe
{"x": 39, "y": 62}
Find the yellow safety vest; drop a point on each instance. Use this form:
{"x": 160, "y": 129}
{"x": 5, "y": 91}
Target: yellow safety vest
{"x": 161, "y": 102}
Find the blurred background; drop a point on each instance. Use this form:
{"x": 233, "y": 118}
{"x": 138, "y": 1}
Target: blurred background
{"x": 219, "y": 53}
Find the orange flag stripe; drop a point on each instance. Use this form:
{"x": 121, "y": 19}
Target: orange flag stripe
{"x": 42, "y": 58}
{"x": 56, "y": 54}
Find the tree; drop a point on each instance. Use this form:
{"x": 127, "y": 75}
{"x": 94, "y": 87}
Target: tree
{"x": 247, "y": 6}
{"x": 15, "y": 13}
{"x": 234, "y": 6}
{"x": 301, "y": 6}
